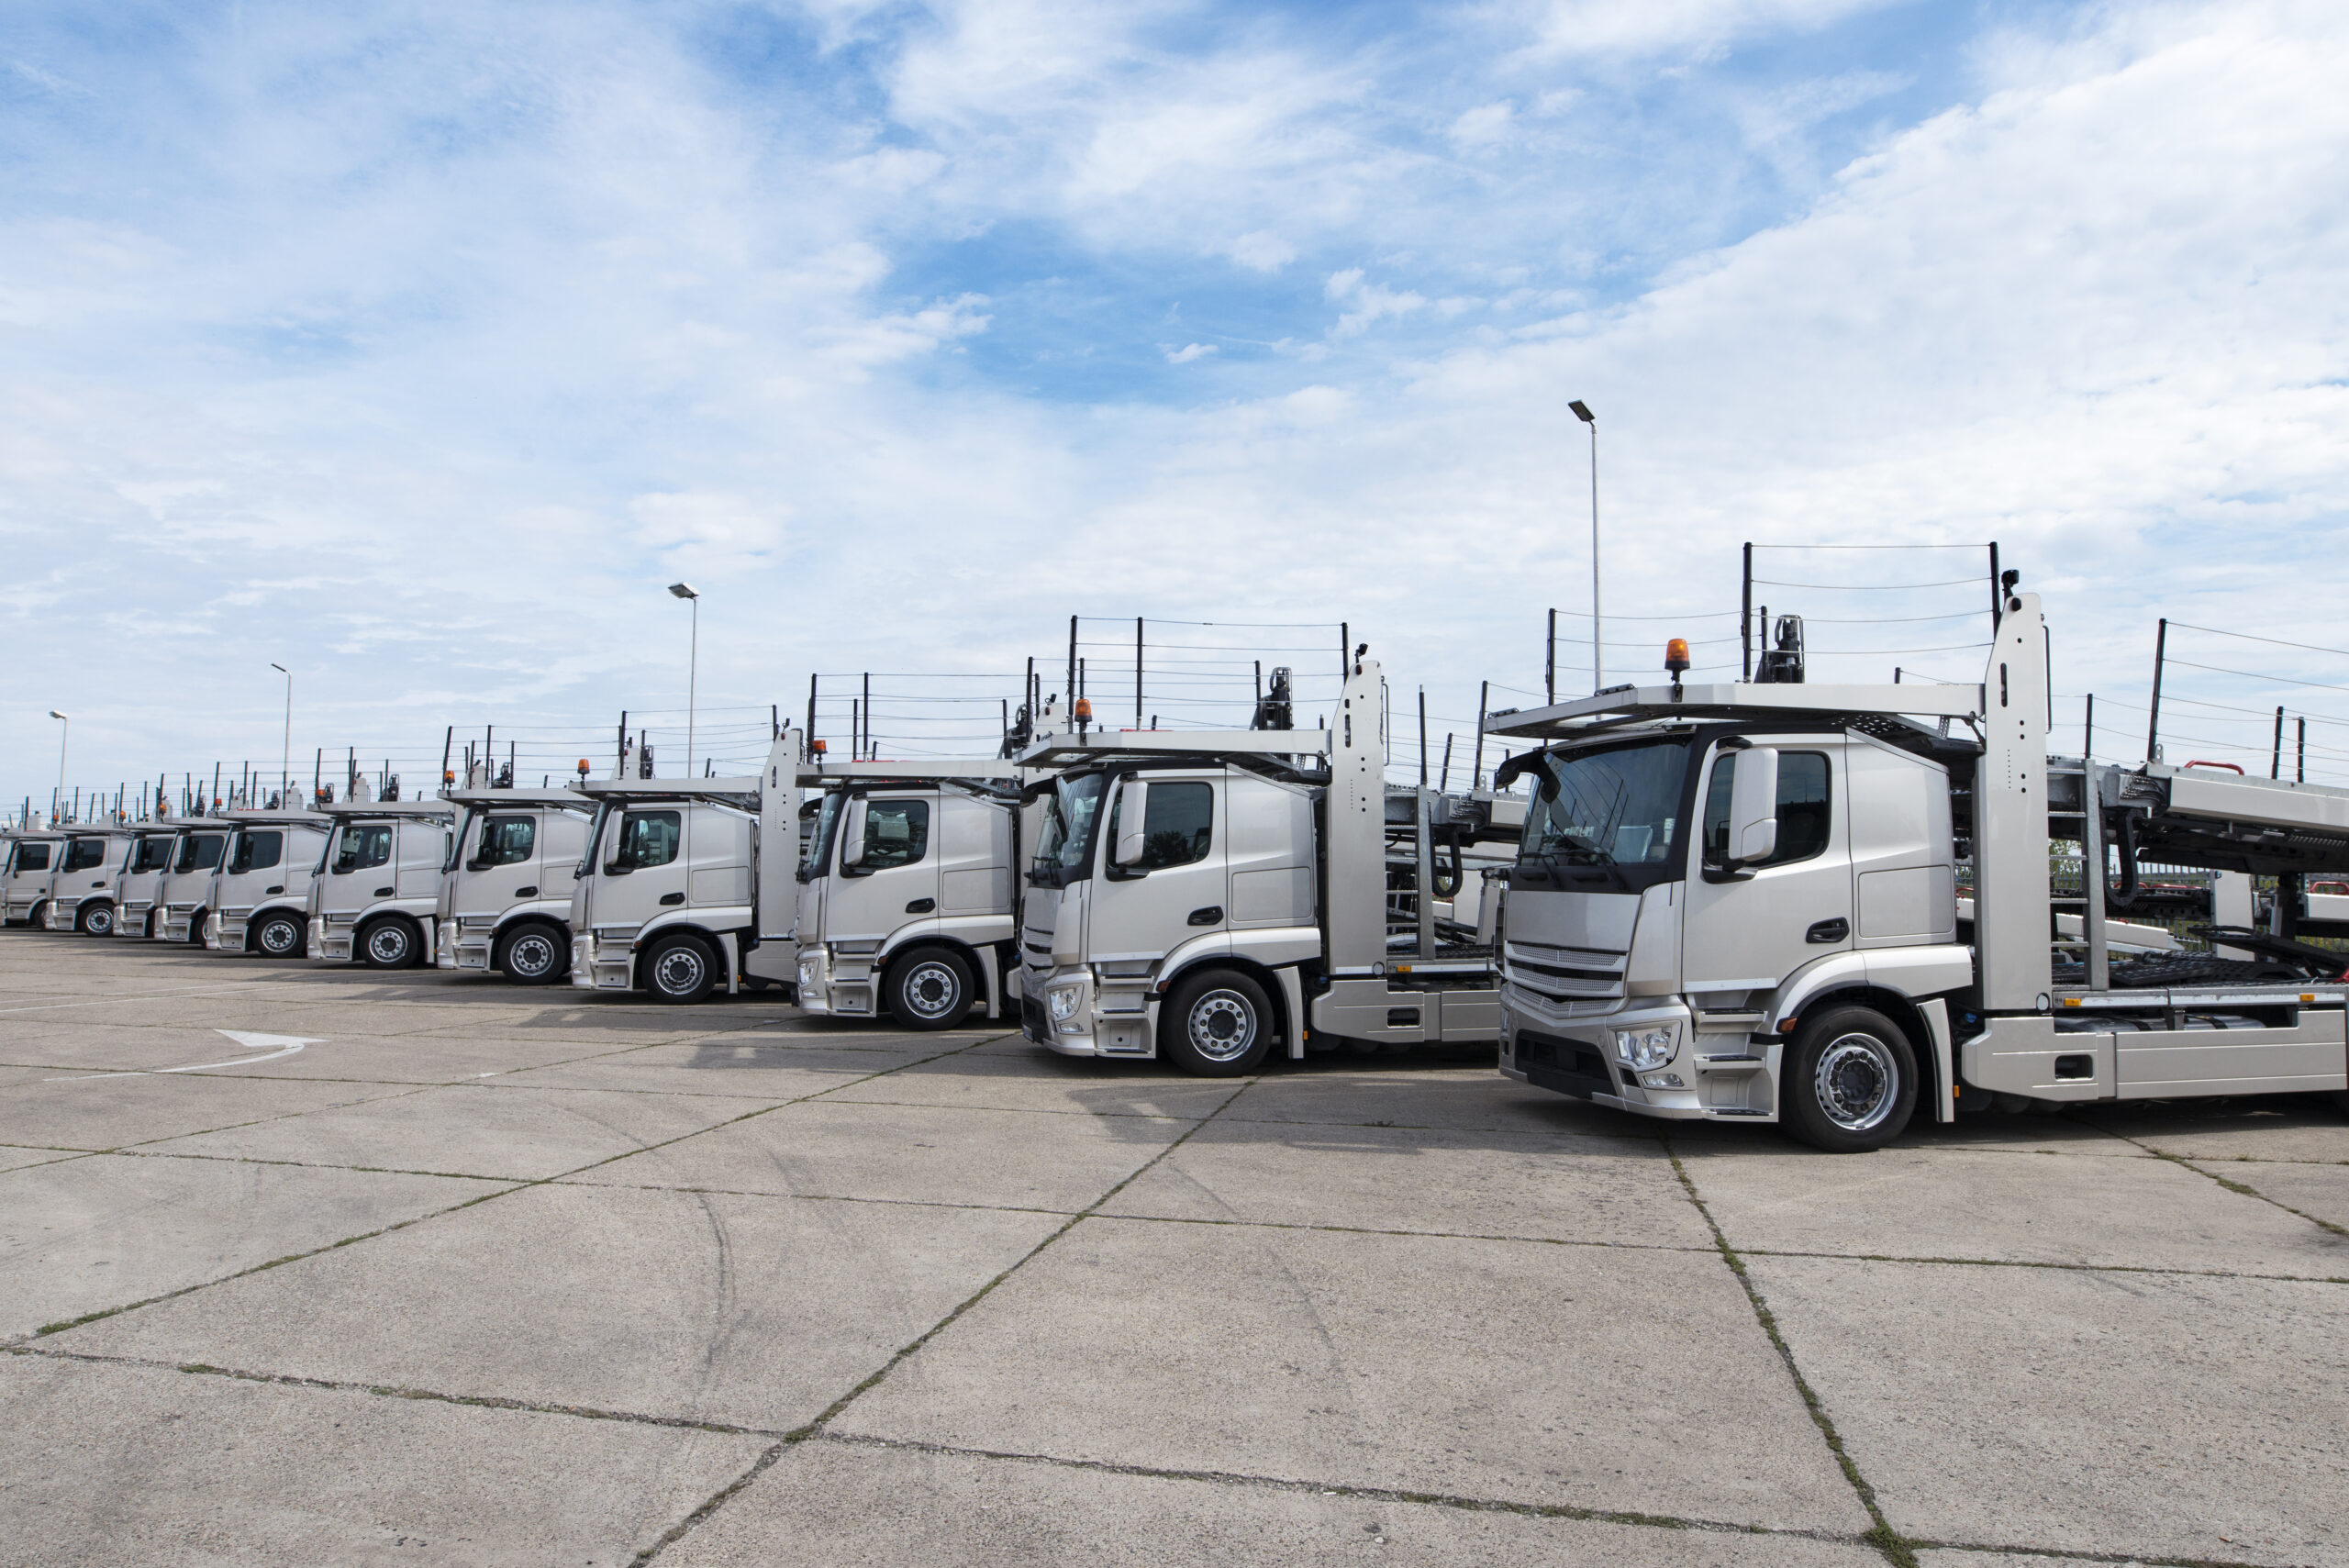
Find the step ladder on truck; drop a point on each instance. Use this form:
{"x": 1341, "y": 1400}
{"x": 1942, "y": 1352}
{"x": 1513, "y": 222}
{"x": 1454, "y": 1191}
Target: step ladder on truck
{"x": 907, "y": 889}
{"x": 375, "y": 898}
{"x": 1740, "y": 902}
{"x": 673, "y": 898}
{"x": 1204, "y": 896}
{"x": 505, "y": 901}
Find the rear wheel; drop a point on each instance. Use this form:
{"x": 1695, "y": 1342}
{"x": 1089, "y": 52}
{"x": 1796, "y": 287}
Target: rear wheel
{"x": 390, "y": 943}
{"x": 279, "y": 936}
{"x": 930, "y": 988}
{"x": 533, "y": 955}
{"x": 1850, "y": 1083}
{"x": 1218, "y": 1024}
{"x": 95, "y": 919}
{"x": 679, "y": 969}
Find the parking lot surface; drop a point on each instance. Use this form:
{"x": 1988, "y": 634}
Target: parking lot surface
{"x": 302, "y": 1265}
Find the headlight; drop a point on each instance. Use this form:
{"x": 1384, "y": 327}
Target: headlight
{"x": 1063, "y": 1001}
{"x": 808, "y": 972}
{"x": 1643, "y": 1049}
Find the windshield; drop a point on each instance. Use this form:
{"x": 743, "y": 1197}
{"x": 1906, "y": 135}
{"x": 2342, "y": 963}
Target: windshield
{"x": 199, "y": 851}
{"x": 1065, "y": 848}
{"x": 1617, "y": 808}
{"x": 819, "y": 841}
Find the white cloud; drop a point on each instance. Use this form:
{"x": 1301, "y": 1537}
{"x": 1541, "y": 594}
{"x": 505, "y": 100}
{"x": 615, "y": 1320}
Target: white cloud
{"x": 1262, "y": 251}
{"x": 1365, "y": 302}
{"x": 1187, "y": 352}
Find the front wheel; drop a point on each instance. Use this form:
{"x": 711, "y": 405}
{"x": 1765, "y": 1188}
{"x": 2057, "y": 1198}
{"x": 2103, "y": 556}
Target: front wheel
{"x": 929, "y": 989}
{"x": 390, "y": 944}
{"x": 533, "y": 955}
{"x": 679, "y": 969}
{"x": 1850, "y": 1083}
{"x": 95, "y": 919}
{"x": 280, "y": 935}
{"x": 1218, "y": 1024}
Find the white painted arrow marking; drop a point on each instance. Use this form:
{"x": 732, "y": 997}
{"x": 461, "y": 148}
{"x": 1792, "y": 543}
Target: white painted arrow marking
{"x": 272, "y": 1046}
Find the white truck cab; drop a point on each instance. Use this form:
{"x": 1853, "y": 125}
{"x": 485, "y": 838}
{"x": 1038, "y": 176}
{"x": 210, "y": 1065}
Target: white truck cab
{"x": 1200, "y": 896}
{"x": 375, "y": 895}
{"x": 907, "y": 891}
{"x": 181, "y": 910}
{"x": 143, "y": 865}
{"x": 260, "y": 895}
{"x": 32, "y": 858}
{"x": 506, "y": 888}
{"x": 81, "y": 888}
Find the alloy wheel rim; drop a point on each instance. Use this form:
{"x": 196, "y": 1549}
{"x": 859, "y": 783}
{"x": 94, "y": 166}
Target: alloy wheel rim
{"x": 388, "y": 945}
{"x": 678, "y": 972}
{"x": 930, "y": 989}
{"x": 532, "y": 956}
{"x": 1857, "y": 1082}
{"x": 277, "y": 937}
{"x": 1222, "y": 1025}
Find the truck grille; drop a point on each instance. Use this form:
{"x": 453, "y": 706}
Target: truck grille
{"x": 1564, "y": 974}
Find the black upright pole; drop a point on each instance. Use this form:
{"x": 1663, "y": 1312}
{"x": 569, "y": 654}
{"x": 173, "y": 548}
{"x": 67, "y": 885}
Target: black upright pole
{"x": 1443, "y": 778}
{"x": 1484, "y": 701}
{"x": 2300, "y": 769}
{"x": 1072, "y": 668}
{"x": 1998, "y": 593}
{"x": 1345, "y": 652}
{"x": 1550, "y": 662}
{"x": 2275, "y": 757}
{"x": 1423, "y": 737}
{"x": 2087, "y": 729}
{"x": 1746, "y": 615}
{"x": 2153, "y": 718}
{"x": 448, "y": 739}
{"x": 807, "y": 741}
{"x": 1137, "y": 671}
{"x": 868, "y": 713}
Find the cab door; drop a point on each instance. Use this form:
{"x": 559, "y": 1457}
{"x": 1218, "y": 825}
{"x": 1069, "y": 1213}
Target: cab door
{"x": 886, "y": 872}
{"x": 643, "y": 873}
{"x": 1748, "y": 928}
{"x": 1176, "y": 888}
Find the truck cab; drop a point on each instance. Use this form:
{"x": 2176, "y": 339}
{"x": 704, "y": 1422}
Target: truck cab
{"x": 32, "y": 858}
{"x": 182, "y": 892}
{"x": 906, "y": 890}
{"x": 1204, "y": 896}
{"x": 505, "y": 889}
{"x": 81, "y": 888}
{"x": 375, "y": 892}
{"x": 260, "y": 898}
{"x": 144, "y": 863}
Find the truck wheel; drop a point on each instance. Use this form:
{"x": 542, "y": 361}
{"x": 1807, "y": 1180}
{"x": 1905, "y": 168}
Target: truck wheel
{"x": 195, "y": 928}
{"x": 930, "y": 988}
{"x": 1850, "y": 1083}
{"x": 95, "y": 919}
{"x": 390, "y": 943}
{"x": 280, "y": 935}
{"x": 533, "y": 955}
{"x": 679, "y": 969}
{"x": 1217, "y": 1024}
{"x": 37, "y": 918}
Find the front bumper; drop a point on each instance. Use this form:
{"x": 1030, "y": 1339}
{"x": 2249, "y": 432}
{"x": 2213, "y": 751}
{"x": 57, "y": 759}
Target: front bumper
{"x": 1115, "y": 1021}
{"x": 1708, "y": 1077}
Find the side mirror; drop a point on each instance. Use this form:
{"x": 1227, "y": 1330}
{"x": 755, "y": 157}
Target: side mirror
{"x": 1134, "y": 801}
{"x": 1754, "y": 806}
{"x": 853, "y": 833}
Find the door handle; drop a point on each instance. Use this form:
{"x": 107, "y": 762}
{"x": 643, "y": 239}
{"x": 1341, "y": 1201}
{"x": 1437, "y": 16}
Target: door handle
{"x": 383, "y": 892}
{"x": 1833, "y": 930}
{"x": 1210, "y": 915}
{"x": 279, "y": 888}
{"x": 525, "y": 893}
{"x": 672, "y": 898}
{"x": 921, "y": 906}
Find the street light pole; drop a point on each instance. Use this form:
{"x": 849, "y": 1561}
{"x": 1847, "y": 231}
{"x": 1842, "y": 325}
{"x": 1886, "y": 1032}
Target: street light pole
{"x": 1597, "y": 658}
{"x": 285, "y": 758}
{"x": 693, "y": 669}
{"x": 64, "y": 729}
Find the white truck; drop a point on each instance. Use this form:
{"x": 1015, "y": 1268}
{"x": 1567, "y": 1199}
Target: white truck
{"x": 182, "y": 892}
{"x": 375, "y": 896}
{"x": 260, "y": 895}
{"x": 81, "y": 889}
{"x": 673, "y": 898}
{"x": 144, "y": 865}
{"x": 1200, "y": 896}
{"x": 506, "y": 888}
{"x": 1740, "y": 902}
{"x": 32, "y": 857}
{"x": 907, "y": 891}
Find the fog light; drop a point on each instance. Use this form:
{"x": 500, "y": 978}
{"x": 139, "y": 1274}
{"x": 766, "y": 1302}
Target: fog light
{"x": 1662, "y": 1080}
{"x": 807, "y": 974}
{"x": 1643, "y": 1049}
{"x": 1063, "y": 1000}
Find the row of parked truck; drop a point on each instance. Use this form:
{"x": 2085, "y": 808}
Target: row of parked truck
{"x": 1825, "y": 907}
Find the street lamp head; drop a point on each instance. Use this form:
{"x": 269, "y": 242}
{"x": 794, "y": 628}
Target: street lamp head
{"x": 682, "y": 592}
{"x": 54, "y": 714}
{"x": 279, "y": 668}
{"x": 1581, "y": 412}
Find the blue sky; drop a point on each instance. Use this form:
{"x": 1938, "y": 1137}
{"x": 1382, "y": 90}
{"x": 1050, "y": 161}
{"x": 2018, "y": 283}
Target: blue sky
{"x": 418, "y": 345}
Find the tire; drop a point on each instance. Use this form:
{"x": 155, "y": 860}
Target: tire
{"x": 389, "y": 944}
{"x": 39, "y": 918}
{"x": 533, "y": 955}
{"x": 280, "y": 935}
{"x": 930, "y": 988}
{"x": 195, "y": 928}
{"x": 1850, "y": 1083}
{"x": 679, "y": 969}
{"x": 95, "y": 918}
{"x": 1217, "y": 1024}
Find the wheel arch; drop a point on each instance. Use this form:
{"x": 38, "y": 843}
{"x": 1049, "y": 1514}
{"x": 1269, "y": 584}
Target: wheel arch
{"x": 649, "y": 939}
{"x": 1261, "y": 973}
{"x": 968, "y": 951}
{"x": 1900, "y": 1009}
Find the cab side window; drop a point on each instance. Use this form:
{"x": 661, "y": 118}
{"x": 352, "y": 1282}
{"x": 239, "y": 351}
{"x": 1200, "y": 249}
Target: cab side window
{"x": 363, "y": 846}
{"x": 505, "y": 841}
{"x": 896, "y": 833}
{"x": 1802, "y": 808}
{"x": 80, "y": 854}
{"x": 648, "y": 839}
{"x": 32, "y": 857}
{"x": 258, "y": 851}
{"x": 1177, "y": 824}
